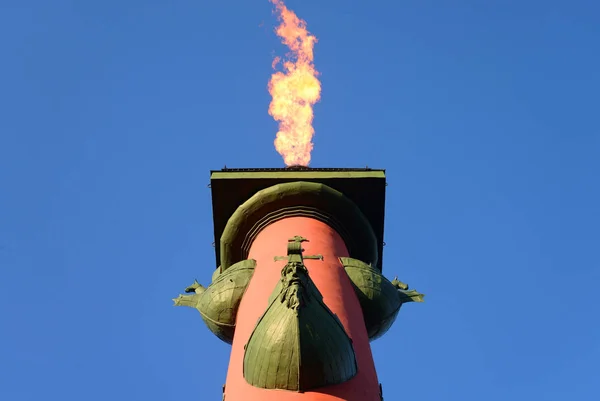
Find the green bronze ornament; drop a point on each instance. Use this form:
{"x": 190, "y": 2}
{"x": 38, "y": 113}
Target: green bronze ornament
{"x": 218, "y": 304}
{"x": 298, "y": 344}
{"x": 379, "y": 298}
{"x": 297, "y": 199}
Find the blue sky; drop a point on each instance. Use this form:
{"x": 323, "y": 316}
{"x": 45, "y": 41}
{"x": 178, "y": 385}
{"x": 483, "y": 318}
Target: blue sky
{"x": 484, "y": 113}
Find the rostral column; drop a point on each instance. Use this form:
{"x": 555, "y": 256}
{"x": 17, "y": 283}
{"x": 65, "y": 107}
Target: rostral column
{"x": 298, "y": 291}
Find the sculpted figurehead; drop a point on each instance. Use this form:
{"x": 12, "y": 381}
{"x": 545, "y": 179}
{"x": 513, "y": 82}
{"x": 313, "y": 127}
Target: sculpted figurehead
{"x": 298, "y": 344}
{"x": 294, "y": 278}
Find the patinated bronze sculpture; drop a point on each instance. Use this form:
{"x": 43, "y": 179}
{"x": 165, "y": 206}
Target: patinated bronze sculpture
{"x": 299, "y": 322}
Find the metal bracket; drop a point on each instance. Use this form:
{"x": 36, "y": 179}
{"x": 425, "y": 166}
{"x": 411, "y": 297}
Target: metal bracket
{"x": 286, "y": 258}
{"x": 294, "y": 251}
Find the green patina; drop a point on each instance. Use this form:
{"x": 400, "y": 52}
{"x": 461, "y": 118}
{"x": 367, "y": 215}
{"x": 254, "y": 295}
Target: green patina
{"x": 298, "y": 198}
{"x": 219, "y": 302}
{"x": 298, "y": 344}
{"x": 379, "y": 298}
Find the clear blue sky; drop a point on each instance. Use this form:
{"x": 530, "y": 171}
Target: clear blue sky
{"x": 484, "y": 113}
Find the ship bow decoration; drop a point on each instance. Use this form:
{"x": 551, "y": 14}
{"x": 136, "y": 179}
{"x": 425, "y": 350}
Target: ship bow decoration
{"x": 218, "y": 303}
{"x": 298, "y": 344}
{"x": 380, "y": 299}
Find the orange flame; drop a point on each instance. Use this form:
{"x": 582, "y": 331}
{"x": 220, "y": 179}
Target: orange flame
{"x": 295, "y": 90}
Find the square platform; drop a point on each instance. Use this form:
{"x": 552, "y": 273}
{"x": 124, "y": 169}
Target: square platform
{"x": 232, "y": 187}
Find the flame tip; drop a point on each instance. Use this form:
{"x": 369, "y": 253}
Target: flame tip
{"x": 295, "y": 89}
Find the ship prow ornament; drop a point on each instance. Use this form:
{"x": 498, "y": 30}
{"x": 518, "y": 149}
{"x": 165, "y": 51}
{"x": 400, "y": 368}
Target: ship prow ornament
{"x": 218, "y": 303}
{"x": 287, "y": 344}
{"x": 298, "y": 344}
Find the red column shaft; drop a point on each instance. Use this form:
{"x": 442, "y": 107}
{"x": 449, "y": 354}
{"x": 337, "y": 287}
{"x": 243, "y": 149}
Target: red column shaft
{"x": 331, "y": 280}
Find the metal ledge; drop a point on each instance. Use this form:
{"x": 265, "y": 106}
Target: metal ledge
{"x": 363, "y": 186}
